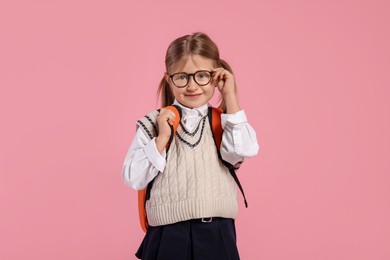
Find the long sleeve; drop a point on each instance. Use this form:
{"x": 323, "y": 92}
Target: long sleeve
{"x": 239, "y": 139}
{"x": 142, "y": 162}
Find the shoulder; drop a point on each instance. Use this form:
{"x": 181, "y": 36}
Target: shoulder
{"x": 148, "y": 123}
{"x": 151, "y": 116}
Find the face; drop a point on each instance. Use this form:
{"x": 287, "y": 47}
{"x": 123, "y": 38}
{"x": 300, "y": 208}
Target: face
{"x": 192, "y": 95}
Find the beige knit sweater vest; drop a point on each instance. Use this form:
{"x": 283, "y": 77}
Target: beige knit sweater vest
{"x": 194, "y": 183}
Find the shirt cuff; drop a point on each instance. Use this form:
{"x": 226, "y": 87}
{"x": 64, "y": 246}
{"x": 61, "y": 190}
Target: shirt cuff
{"x": 157, "y": 159}
{"x": 234, "y": 119}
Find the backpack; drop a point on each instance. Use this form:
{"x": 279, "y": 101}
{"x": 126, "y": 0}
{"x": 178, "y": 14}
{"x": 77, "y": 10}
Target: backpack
{"x": 214, "y": 115}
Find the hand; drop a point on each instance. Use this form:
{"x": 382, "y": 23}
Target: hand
{"x": 226, "y": 84}
{"x": 224, "y": 80}
{"x": 164, "y": 119}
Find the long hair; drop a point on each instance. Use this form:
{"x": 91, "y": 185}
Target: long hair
{"x": 197, "y": 43}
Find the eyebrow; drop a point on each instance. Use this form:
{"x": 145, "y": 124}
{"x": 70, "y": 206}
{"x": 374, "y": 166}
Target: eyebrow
{"x": 191, "y": 73}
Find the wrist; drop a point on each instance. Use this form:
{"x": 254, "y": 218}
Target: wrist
{"x": 161, "y": 142}
{"x": 229, "y": 94}
{"x": 162, "y": 138}
{"x": 231, "y": 102}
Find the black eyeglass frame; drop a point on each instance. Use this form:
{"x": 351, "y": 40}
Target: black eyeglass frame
{"x": 193, "y": 77}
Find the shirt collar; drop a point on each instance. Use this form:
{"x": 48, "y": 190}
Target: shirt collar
{"x": 202, "y": 110}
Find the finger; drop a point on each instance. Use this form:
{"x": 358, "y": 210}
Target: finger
{"x": 220, "y": 73}
{"x": 166, "y": 112}
{"x": 168, "y": 120}
{"x": 216, "y": 71}
{"x": 220, "y": 84}
{"x": 216, "y": 75}
{"x": 171, "y": 115}
{"x": 220, "y": 77}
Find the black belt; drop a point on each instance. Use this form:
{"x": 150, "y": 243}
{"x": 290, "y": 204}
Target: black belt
{"x": 206, "y": 220}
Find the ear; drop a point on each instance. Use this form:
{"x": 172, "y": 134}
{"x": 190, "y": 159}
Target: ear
{"x": 168, "y": 79}
{"x": 166, "y": 76}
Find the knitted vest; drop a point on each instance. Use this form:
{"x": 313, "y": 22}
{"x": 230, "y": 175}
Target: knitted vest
{"x": 194, "y": 183}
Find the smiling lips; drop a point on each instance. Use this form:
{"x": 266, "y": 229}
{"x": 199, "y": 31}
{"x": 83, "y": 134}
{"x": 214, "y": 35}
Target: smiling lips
{"x": 192, "y": 95}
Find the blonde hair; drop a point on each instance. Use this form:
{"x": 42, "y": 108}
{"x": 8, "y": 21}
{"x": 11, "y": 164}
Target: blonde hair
{"x": 197, "y": 43}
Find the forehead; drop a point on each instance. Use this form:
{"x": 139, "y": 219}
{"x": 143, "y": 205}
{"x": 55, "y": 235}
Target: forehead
{"x": 192, "y": 63}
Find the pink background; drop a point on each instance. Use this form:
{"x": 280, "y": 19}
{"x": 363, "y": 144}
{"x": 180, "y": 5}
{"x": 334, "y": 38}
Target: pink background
{"x": 313, "y": 78}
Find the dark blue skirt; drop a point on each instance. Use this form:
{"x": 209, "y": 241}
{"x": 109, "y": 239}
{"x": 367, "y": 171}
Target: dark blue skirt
{"x": 191, "y": 240}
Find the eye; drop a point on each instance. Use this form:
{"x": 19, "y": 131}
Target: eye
{"x": 203, "y": 75}
{"x": 180, "y": 76}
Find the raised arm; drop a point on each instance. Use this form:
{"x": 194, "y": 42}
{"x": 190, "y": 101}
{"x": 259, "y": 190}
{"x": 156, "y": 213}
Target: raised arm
{"x": 142, "y": 162}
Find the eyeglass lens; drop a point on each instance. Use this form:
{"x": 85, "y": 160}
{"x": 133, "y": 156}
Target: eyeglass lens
{"x": 200, "y": 77}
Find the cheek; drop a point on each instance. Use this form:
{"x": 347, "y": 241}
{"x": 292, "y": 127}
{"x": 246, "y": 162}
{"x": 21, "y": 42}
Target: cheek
{"x": 174, "y": 91}
{"x": 178, "y": 93}
{"x": 211, "y": 91}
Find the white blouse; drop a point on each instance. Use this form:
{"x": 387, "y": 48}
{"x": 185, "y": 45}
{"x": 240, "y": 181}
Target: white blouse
{"x": 143, "y": 161}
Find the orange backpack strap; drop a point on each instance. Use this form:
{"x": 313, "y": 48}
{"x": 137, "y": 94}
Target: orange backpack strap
{"x": 216, "y": 126}
{"x": 141, "y": 210}
{"x": 143, "y": 195}
{"x": 177, "y": 111}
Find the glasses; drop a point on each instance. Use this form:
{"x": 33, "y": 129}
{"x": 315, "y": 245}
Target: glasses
{"x": 201, "y": 77}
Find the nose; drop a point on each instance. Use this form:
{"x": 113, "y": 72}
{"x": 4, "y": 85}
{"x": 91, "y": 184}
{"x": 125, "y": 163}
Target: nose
{"x": 192, "y": 86}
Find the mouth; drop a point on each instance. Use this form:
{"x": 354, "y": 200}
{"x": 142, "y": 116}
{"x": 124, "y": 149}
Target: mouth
{"x": 192, "y": 95}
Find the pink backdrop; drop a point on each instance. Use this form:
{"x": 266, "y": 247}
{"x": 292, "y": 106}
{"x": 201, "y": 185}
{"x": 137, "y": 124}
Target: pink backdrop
{"x": 313, "y": 78}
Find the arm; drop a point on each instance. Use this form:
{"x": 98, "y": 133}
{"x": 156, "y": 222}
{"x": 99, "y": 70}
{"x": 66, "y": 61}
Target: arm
{"x": 143, "y": 162}
{"x": 239, "y": 139}
{"x": 146, "y": 155}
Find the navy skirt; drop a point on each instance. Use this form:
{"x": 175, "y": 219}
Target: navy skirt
{"x": 191, "y": 240}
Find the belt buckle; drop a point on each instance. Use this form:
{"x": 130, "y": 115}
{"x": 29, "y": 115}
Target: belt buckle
{"x": 207, "y": 220}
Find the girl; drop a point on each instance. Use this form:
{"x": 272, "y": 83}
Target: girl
{"x": 193, "y": 200}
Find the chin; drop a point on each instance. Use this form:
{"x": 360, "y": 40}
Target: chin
{"x": 194, "y": 104}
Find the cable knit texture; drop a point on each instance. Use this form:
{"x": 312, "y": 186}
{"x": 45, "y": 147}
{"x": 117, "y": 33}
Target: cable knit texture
{"x": 194, "y": 183}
